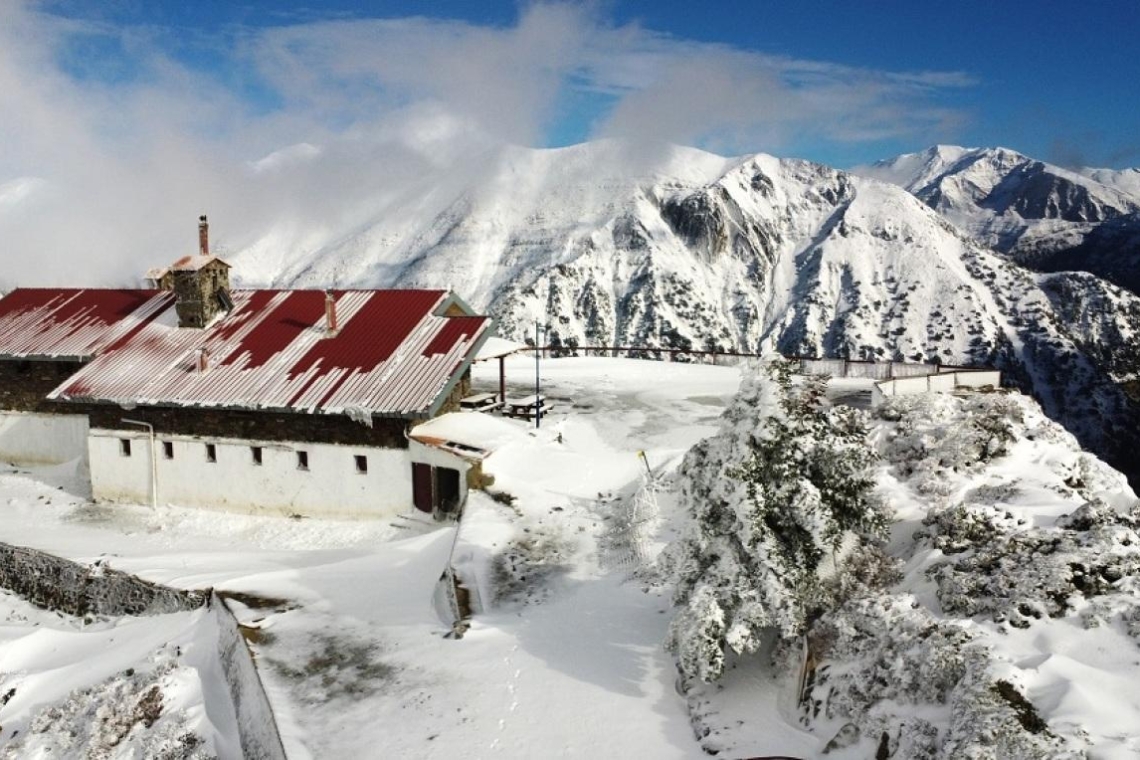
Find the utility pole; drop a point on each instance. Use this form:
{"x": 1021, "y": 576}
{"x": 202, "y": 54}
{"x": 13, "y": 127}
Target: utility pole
{"x": 537, "y": 386}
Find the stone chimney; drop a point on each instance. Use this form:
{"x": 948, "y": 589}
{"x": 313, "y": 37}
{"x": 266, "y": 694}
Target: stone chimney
{"x": 203, "y": 236}
{"x": 200, "y": 283}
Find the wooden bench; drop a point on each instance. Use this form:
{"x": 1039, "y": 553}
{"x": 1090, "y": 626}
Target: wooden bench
{"x": 480, "y": 402}
{"x": 526, "y": 407}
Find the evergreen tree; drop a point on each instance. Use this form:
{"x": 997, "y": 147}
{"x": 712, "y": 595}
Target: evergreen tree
{"x": 786, "y": 481}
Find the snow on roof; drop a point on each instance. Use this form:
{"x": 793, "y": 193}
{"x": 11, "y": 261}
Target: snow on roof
{"x": 496, "y": 347}
{"x": 194, "y": 263}
{"x": 184, "y": 264}
{"x": 72, "y": 323}
{"x": 393, "y": 354}
{"x": 472, "y": 429}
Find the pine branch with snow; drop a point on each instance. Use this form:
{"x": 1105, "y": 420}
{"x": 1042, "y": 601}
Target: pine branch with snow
{"x": 785, "y": 484}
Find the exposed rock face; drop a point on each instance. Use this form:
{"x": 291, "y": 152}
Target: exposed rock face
{"x": 1045, "y": 217}
{"x": 1110, "y": 250}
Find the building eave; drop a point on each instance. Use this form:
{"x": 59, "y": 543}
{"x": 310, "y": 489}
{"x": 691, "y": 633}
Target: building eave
{"x": 486, "y": 332}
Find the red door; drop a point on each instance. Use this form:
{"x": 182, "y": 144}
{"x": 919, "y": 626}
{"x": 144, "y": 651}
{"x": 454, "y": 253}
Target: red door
{"x": 422, "y": 487}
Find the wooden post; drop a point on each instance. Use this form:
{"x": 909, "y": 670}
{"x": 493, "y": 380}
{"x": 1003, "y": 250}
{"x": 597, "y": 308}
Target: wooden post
{"x": 502, "y": 379}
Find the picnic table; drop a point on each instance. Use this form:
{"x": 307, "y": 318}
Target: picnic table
{"x": 480, "y": 402}
{"x": 527, "y": 407}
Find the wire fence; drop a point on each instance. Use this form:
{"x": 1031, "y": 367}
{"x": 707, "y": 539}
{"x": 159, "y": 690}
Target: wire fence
{"x": 627, "y": 543}
{"x": 809, "y": 365}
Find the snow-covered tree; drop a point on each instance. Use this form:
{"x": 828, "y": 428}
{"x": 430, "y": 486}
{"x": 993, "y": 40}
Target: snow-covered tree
{"x": 784, "y": 484}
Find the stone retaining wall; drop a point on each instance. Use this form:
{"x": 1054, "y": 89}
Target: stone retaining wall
{"x": 24, "y": 384}
{"x": 56, "y": 583}
{"x": 257, "y": 727}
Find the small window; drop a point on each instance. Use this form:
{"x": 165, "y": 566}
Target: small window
{"x": 302, "y": 460}
{"x": 255, "y": 453}
{"x": 168, "y": 449}
{"x": 125, "y": 446}
{"x": 361, "y": 464}
{"x": 211, "y": 452}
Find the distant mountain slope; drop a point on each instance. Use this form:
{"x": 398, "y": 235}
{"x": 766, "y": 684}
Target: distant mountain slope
{"x": 753, "y": 253}
{"x": 1040, "y": 215}
{"x": 1124, "y": 180}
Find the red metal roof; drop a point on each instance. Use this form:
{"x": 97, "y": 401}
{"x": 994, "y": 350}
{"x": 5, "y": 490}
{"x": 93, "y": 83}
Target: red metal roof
{"x": 38, "y": 323}
{"x": 393, "y": 354}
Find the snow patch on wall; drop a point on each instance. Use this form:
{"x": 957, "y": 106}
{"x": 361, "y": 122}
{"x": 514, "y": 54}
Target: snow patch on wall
{"x": 256, "y": 724}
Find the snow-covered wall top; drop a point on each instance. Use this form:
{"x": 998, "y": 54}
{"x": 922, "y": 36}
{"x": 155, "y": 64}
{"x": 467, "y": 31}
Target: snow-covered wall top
{"x": 56, "y": 583}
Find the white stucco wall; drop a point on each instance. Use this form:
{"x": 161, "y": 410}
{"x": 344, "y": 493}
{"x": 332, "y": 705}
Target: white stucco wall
{"x": 27, "y": 438}
{"x": 418, "y": 452}
{"x": 331, "y": 487}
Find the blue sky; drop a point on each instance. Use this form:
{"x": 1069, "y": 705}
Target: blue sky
{"x": 122, "y": 119}
{"x": 1057, "y": 80}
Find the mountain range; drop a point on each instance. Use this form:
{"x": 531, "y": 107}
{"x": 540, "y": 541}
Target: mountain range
{"x": 1040, "y": 215}
{"x": 607, "y": 244}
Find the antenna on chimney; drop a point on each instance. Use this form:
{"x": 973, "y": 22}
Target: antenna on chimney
{"x": 203, "y": 236}
{"x": 330, "y": 314}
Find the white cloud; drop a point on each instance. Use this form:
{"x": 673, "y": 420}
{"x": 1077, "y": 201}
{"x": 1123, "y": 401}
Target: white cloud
{"x": 334, "y": 115}
{"x": 283, "y": 159}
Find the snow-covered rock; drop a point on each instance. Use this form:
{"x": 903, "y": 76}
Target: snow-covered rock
{"x": 1040, "y": 215}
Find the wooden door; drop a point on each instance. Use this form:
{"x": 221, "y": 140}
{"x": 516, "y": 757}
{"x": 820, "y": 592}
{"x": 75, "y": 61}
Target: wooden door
{"x": 422, "y": 495}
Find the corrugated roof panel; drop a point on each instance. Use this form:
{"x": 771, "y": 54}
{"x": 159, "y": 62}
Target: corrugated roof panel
{"x": 279, "y": 325}
{"x": 69, "y": 322}
{"x": 456, "y": 328}
{"x": 376, "y": 331}
{"x": 391, "y": 355}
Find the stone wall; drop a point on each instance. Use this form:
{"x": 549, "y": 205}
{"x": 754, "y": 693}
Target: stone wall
{"x": 24, "y": 385}
{"x": 55, "y": 583}
{"x": 196, "y": 291}
{"x": 461, "y": 390}
{"x": 386, "y": 432}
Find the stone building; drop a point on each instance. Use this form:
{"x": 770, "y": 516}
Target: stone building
{"x": 295, "y": 402}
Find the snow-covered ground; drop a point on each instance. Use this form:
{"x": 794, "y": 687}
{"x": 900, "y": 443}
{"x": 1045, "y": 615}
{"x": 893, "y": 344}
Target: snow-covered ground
{"x": 563, "y": 656}
{"x": 567, "y": 663}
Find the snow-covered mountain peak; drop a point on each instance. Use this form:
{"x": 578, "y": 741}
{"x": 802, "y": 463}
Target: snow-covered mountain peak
{"x": 1005, "y": 182}
{"x": 915, "y": 170}
{"x": 695, "y": 251}
{"x": 1124, "y": 180}
{"x": 1040, "y": 215}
